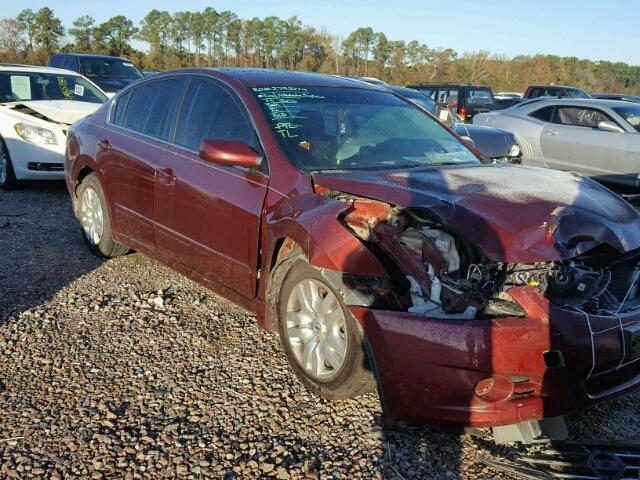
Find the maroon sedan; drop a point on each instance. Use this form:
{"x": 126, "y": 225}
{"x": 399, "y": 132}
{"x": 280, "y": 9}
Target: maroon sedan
{"x": 372, "y": 239}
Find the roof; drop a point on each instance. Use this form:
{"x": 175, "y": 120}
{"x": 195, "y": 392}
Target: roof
{"x": 554, "y": 86}
{"x": 579, "y": 102}
{"x": 7, "y": 67}
{"x": 87, "y": 55}
{"x": 406, "y": 91}
{"x": 614, "y": 95}
{"x": 265, "y": 77}
{"x": 442, "y": 84}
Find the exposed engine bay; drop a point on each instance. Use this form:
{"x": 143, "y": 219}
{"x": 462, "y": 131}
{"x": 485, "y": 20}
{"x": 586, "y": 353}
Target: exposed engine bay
{"x": 436, "y": 274}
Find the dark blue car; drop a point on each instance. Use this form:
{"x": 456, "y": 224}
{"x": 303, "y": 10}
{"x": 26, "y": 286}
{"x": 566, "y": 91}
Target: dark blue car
{"x": 109, "y": 73}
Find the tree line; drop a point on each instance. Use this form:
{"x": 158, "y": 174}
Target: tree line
{"x": 220, "y": 38}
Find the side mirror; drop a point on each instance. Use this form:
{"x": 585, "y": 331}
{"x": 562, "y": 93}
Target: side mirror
{"x": 610, "y": 127}
{"x": 229, "y": 152}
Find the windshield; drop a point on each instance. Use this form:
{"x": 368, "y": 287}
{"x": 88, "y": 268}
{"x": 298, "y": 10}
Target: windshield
{"x": 479, "y": 97}
{"x": 631, "y": 113}
{"x": 323, "y": 128}
{"x": 24, "y": 86}
{"x": 109, "y": 68}
{"x": 577, "y": 93}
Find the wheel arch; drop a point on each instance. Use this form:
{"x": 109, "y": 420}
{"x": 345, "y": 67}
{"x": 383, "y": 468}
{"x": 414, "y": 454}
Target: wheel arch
{"x": 318, "y": 235}
{"x": 83, "y": 172}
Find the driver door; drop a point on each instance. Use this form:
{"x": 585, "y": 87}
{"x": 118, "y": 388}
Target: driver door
{"x": 207, "y": 214}
{"x": 574, "y": 142}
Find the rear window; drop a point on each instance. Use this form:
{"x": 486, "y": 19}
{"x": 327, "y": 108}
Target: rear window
{"x": 544, "y": 92}
{"x": 479, "y": 96}
{"x": 543, "y": 114}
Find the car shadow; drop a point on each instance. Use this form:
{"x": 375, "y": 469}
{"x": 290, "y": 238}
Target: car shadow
{"x": 41, "y": 247}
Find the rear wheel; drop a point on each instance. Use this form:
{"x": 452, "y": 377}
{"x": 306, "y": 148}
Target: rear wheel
{"x": 320, "y": 337}
{"x": 95, "y": 220}
{"x": 7, "y": 175}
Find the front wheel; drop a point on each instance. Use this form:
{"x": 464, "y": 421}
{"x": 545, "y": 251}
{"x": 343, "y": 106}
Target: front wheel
{"x": 95, "y": 221}
{"x": 7, "y": 175}
{"x": 322, "y": 341}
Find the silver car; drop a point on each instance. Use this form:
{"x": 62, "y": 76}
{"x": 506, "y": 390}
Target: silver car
{"x": 599, "y": 138}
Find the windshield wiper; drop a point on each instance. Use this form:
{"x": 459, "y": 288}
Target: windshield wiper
{"x": 438, "y": 164}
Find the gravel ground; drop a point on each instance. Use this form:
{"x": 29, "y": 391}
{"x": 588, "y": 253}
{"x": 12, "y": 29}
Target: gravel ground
{"x": 126, "y": 369}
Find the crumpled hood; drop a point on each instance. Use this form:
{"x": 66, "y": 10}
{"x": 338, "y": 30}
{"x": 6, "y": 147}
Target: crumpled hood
{"x": 60, "y": 111}
{"x": 512, "y": 213}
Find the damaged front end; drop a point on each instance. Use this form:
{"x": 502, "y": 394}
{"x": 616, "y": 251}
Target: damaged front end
{"x": 460, "y": 338}
{"x": 436, "y": 274}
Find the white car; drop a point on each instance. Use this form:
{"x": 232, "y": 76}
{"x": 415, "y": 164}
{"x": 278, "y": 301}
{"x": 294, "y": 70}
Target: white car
{"x": 37, "y": 106}
{"x": 598, "y": 138}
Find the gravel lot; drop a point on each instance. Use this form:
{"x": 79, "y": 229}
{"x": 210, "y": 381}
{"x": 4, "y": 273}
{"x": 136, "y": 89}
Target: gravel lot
{"x": 124, "y": 368}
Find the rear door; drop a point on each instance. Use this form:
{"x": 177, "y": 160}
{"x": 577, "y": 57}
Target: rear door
{"x": 574, "y": 142}
{"x": 208, "y": 215}
{"x": 132, "y": 147}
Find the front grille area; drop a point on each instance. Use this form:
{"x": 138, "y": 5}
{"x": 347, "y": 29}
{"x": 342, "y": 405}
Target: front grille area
{"x": 45, "y": 167}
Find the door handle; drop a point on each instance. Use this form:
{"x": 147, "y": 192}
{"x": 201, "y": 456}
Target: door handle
{"x": 104, "y": 144}
{"x": 552, "y": 132}
{"x": 164, "y": 172}
{"x": 165, "y": 175}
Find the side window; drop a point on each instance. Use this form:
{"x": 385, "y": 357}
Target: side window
{"x": 209, "y": 111}
{"x": 447, "y": 95}
{"x": 56, "y": 61}
{"x": 535, "y": 93}
{"x": 153, "y": 107}
{"x": 580, "y": 116}
{"x": 429, "y": 92}
{"x": 70, "y": 63}
{"x": 543, "y": 114}
{"x": 120, "y": 107}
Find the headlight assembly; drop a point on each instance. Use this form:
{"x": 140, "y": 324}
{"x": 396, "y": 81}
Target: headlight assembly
{"x": 35, "y": 134}
{"x": 514, "y": 151}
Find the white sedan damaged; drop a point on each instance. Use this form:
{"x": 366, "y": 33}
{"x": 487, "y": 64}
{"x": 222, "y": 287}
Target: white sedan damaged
{"x": 37, "y": 106}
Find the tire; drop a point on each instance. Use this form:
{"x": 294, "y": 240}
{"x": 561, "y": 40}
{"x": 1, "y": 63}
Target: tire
{"x": 95, "y": 222}
{"x": 325, "y": 349}
{"x": 7, "y": 175}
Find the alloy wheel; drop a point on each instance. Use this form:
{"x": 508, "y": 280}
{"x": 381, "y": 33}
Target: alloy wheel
{"x": 316, "y": 329}
{"x": 91, "y": 215}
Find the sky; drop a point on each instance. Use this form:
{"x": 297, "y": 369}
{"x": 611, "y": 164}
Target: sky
{"x": 592, "y": 29}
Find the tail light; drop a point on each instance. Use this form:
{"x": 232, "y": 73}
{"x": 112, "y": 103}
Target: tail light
{"x": 462, "y": 112}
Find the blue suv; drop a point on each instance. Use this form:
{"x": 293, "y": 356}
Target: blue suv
{"x": 109, "y": 73}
